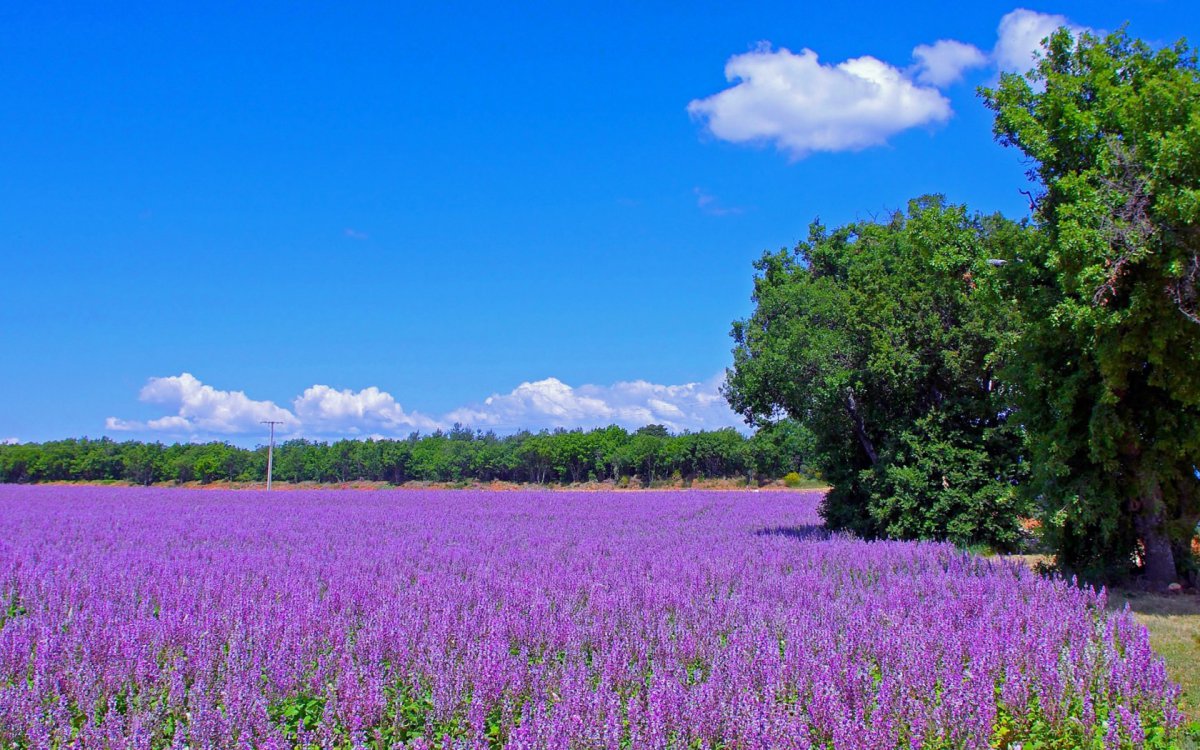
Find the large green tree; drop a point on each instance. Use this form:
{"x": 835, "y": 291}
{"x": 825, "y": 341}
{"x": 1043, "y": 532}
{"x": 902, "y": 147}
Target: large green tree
{"x": 879, "y": 338}
{"x": 1109, "y": 364}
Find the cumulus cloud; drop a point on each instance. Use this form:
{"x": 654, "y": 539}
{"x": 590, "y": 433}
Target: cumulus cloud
{"x": 944, "y": 62}
{"x": 322, "y": 410}
{"x": 326, "y": 410}
{"x": 1019, "y": 38}
{"x": 553, "y": 403}
{"x": 202, "y": 408}
{"x": 802, "y": 105}
{"x": 9, "y": 441}
{"x": 177, "y": 423}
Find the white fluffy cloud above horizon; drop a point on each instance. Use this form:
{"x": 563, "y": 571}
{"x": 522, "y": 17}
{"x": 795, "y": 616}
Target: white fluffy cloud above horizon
{"x": 199, "y": 409}
{"x": 553, "y": 403}
{"x": 801, "y": 105}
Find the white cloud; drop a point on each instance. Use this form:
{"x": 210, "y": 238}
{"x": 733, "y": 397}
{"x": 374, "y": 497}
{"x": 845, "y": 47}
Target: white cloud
{"x": 1020, "y": 35}
{"x": 10, "y": 441}
{"x": 944, "y": 62}
{"x": 202, "y": 408}
{"x": 325, "y": 410}
{"x": 174, "y": 423}
{"x": 321, "y": 410}
{"x": 803, "y": 106}
{"x": 553, "y": 403}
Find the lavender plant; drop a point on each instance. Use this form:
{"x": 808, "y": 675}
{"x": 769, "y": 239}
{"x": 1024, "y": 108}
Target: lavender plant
{"x": 152, "y": 618}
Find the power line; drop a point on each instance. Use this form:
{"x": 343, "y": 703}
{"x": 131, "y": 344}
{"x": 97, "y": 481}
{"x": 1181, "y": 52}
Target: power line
{"x": 271, "y": 450}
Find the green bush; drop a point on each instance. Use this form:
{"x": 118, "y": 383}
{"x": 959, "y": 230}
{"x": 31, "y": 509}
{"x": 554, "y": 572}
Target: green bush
{"x": 941, "y": 482}
{"x": 881, "y": 339}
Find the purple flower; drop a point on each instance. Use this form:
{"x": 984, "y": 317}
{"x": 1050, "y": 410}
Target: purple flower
{"x": 169, "y": 618}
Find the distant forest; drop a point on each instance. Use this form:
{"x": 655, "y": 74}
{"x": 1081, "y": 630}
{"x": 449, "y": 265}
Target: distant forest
{"x": 647, "y": 455}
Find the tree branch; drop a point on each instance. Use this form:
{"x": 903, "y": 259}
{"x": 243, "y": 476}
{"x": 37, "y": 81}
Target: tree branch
{"x": 860, "y": 430}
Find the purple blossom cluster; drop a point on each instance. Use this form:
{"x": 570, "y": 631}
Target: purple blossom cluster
{"x": 147, "y": 618}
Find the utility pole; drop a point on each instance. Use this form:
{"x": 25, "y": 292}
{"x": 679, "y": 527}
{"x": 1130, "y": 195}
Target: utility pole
{"x": 271, "y": 451}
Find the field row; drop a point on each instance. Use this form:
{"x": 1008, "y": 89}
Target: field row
{"x": 158, "y": 618}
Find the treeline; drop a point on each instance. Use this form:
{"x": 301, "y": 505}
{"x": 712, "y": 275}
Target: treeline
{"x": 645, "y": 456}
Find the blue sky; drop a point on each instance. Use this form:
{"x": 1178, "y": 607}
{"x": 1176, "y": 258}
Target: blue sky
{"x": 372, "y": 220}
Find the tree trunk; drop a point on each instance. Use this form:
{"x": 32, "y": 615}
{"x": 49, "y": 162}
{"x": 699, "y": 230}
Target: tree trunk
{"x": 860, "y": 429}
{"x": 1159, "y": 563}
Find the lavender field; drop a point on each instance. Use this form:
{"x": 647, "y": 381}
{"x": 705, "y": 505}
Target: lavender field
{"x": 204, "y": 619}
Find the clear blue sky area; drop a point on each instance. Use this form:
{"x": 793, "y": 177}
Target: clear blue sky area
{"x": 439, "y": 200}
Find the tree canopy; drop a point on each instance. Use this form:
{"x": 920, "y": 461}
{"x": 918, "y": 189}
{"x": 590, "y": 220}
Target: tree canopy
{"x": 1107, "y": 366}
{"x": 958, "y": 372}
{"x": 648, "y": 455}
{"x": 880, "y": 337}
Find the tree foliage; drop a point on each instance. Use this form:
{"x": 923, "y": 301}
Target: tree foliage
{"x": 649, "y": 455}
{"x": 880, "y": 338}
{"x": 1108, "y": 365}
